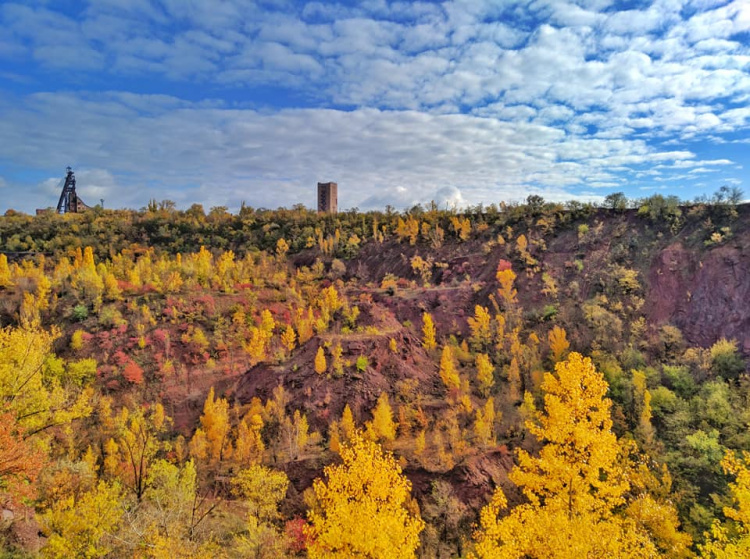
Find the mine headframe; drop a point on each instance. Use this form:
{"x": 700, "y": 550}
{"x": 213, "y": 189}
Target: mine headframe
{"x": 69, "y": 200}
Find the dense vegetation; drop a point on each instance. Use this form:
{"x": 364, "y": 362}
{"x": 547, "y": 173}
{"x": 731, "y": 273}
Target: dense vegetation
{"x": 492, "y": 383}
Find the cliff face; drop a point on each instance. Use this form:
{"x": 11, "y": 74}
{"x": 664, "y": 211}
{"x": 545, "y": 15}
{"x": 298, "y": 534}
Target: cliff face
{"x": 705, "y": 294}
{"x": 701, "y": 287}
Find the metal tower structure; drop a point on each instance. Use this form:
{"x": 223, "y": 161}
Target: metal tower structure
{"x": 69, "y": 200}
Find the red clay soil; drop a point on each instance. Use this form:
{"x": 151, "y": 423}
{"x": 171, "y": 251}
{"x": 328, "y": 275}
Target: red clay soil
{"x": 323, "y": 396}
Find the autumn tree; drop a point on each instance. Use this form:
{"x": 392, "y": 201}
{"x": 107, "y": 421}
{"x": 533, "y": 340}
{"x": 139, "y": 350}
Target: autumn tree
{"x": 85, "y": 279}
{"x": 576, "y": 484}
{"x": 5, "y": 277}
{"x": 485, "y": 373}
{"x": 84, "y": 526}
{"x": 282, "y": 247}
{"x": 484, "y": 424}
{"x": 363, "y": 507}
{"x": 731, "y": 539}
{"x": 171, "y": 513}
{"x": 211, "y": 442}
{"x": 514, "y": 380}
{"x": 31, "y": 381}
{"x": 558, "y": 343}
{"x": 448, "y": 372}
{"x": 289, "y": 338}
{"x": 481, "y": 333}
{"x": 428, "y": 332}
{"x": 261, "y": 490}
{"x": 642, "y": 408}
{"x": 135, "y": 445}
{"x": 249, "y": 445}
{"x": 320, "y": 361}
{"x": 296, "y": 434}
{"x": 20, "y": 460}
{"x": 506, "y": 277}
{"x": 36, "y": 399}
{"x": 382, "y": 427}
{"x": 347, "y": 424}
{"x": 407, "y": 229}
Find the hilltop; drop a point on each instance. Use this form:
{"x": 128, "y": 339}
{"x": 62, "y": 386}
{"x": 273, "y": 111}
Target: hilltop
{"x": 162, "y": 306}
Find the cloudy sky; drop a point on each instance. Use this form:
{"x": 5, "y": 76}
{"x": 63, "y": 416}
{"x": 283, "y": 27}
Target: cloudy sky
{"x": 466, "y": 101}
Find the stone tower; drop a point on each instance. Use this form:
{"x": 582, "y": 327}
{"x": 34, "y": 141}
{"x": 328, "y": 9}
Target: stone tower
{"x": 328, "y": 197}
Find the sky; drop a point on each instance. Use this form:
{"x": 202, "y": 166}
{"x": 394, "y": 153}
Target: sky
{"x": 219, "y": 102}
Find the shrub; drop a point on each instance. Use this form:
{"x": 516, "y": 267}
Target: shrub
{"x": 726, "y": 360}
{"x": 362, "y": 363}
{"x": 80, "y": 313}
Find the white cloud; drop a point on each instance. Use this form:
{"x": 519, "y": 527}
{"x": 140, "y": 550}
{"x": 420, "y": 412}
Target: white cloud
{"x": 221, "y": 156}
{"x": 459, "y": 94}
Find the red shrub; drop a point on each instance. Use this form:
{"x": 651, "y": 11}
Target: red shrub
{"x": 133, "y": 373}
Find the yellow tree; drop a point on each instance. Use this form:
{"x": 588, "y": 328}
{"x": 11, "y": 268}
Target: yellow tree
{"x": 484, "y": 424}
{"x": 249, "y": 445}
{"x": 574, "y": 486}
{"x": 514, "y": 380}
{"x": 732, "y": 539}
{"x": 211, "y": 442}
{"x": 382, "y": 428}
{"x": 642, "y": 401}
{"x": 320, "y": 361}
{"x": 558, "y": 343}
{"x": 289, "y": 338}
{"x": 506, "y": 278}
{"x": 348, "y": 426}
{"x": 83, "y": 526}
{"x": 5, "y": 280}
{"x": 448, "y": 372}
{"x": 296, "y": 434}
{"x": 133, "y": 449}
{"x": 282, "y": 247}
{"x": 481, "y": 333}
{"x": 262, "y": 489}
{"x": 363, "y": 509}
{"x": 428, "y": 331}
{"x": 33, "y": 402}
{"x": 171, "y": 511}
{"x": 86, "y": 281}
{"x": 485, "y": 373}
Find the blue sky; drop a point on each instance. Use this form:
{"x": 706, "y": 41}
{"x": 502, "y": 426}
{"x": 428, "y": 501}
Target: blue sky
{"x": 222, "y": 101}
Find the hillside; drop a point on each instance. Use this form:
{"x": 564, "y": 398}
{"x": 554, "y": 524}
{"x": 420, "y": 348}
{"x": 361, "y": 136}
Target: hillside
{"x": 655, "y": 294}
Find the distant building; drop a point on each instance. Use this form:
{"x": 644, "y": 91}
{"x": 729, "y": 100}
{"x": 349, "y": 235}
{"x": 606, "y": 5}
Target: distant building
{"x": 328, "y": 197}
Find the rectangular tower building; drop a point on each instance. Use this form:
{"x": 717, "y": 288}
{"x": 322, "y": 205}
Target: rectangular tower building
{"x": 328, "y": 197}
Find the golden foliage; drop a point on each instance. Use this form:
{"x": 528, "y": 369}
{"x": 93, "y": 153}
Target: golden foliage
{"x": 481, "y": 332}
{"x": 363, "y": 507}
{"x": 731, "y": 540}
{"x": 428, "y": 332}
{"x": 507, "y": 292}
{"x": 382, "y": 428}
{"x": 83, "y": 526}
{"x": 320, "y": 361}
{"x": 485, "y": 373}
{"x": 289, "y": 338}
{"x": 448, "y": 372}
{"x": 558, "y": 343}
{"x": 576, "y": 484}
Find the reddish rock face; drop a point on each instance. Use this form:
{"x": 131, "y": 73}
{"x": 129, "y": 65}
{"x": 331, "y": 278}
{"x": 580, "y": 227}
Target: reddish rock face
{"x": 706, "y": 295}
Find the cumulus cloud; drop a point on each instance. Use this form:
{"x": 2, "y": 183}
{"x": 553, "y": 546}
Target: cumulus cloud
{"x": 222, "y": 156}
{"x": 462, "y": 101}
